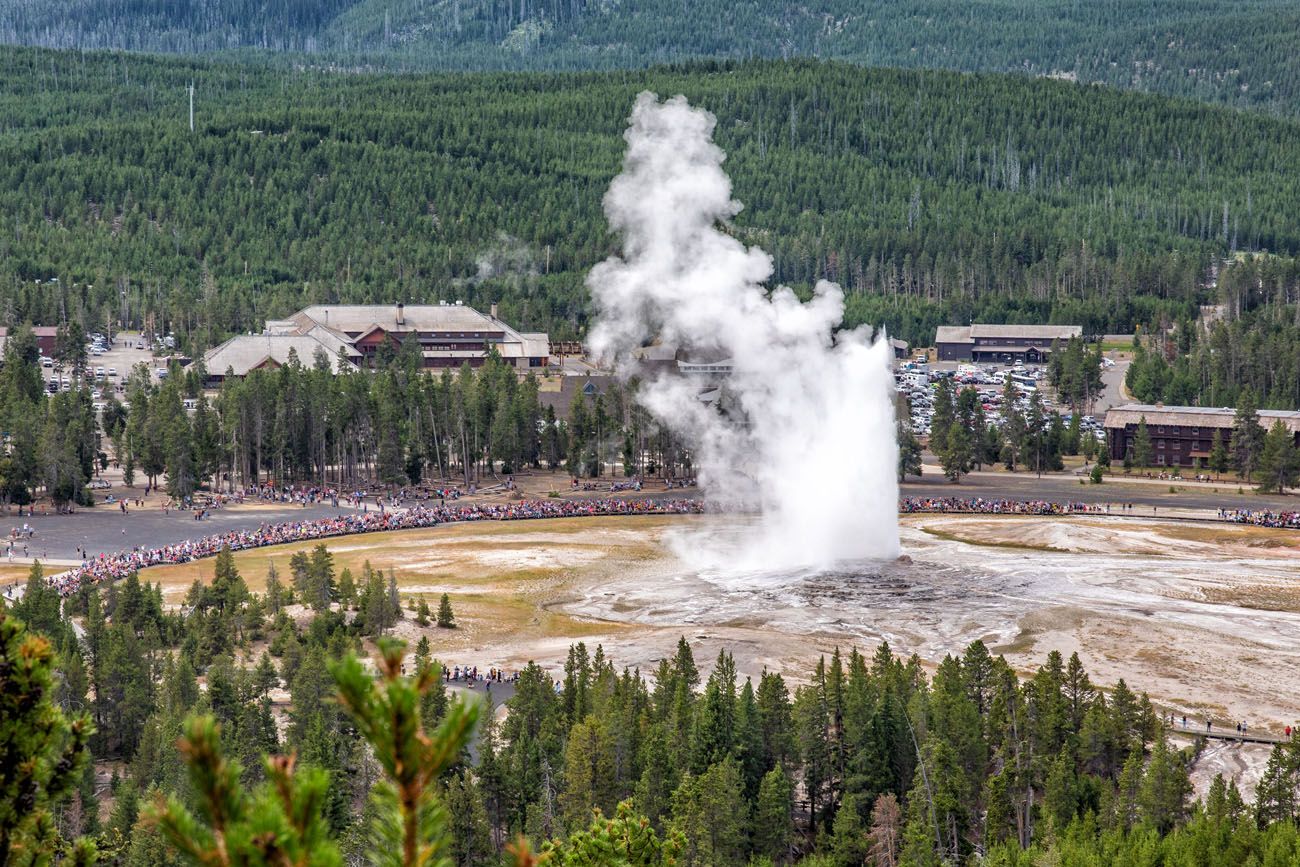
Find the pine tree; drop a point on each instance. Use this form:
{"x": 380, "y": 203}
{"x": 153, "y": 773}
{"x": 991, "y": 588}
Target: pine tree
{"x": 266, "y": 677}
{"x": 589, "y": 763}
{"x": 274, "y": 590}
{"x": 412, "y": 826}
{"x": 709, "y": 812}
{"x": 1247, "y": 436}
{"x": 627, "y": 840}
{"x": 46, "y": 752}
{"x": 850, "y": 845}
{"x": 774, "y": 817}
{"x": 1278, "y": 461}
{"x": 1219, "y": 459}
{"x": 471, "y": 835}
{"x": 446, "y": 619}
{"x": 1162, "y": 797}
{"x": 1275, "y": 796}
{"x": 1143, "y": 455}
{"x": 955, "y": 451}
{"x": 909, "y": 447}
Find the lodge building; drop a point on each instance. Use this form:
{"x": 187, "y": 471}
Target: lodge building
{"x": 449, "y": 336}
{"x": 1182, "y": 436}
{"x": 1001, "y": 343}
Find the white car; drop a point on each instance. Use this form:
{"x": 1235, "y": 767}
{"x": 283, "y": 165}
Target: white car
{"x": 112, "y": 371}
{"x": 46, "y": 361}
{"x": 99, "y": 372}
{"x": 162, "y": 372}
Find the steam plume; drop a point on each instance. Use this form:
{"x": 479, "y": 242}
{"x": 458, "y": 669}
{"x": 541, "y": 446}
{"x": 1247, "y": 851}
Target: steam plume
{"x": 810, "y": 440}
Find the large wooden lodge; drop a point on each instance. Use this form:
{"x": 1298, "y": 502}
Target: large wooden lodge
{"x": 1181, "y": 436}
{"x": 449, "y": 335}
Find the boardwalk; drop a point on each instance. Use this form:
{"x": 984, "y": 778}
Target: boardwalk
{"x": 1227, "y": 734}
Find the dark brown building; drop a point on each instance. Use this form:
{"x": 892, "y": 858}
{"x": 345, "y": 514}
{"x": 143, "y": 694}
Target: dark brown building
{"x": 1182, "y": 436}
{"x": 1000, "y": 343}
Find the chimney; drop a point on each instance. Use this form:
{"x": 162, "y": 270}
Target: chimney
{"x": 401, "y": 315}
{"x": 493, "y": 312}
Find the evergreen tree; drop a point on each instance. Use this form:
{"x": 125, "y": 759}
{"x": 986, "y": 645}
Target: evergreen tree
{"x": 446, "y": 619}
{"x": 1219, "y": 460}
{"x": 471, "y": 836}
{"x": 774, "y": 817}
{"x": 709, "y": 813}
{"x": 589, "y": 764}
{"x": 1247, "y": 436}
{"x": 909, "y": 447}
{"x": 1143, "y": 453}
{"x": 1279, "y": 462}
{"x": 47, "y": 752}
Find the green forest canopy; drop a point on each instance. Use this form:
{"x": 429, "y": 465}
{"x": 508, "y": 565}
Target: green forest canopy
{"x": 1234, "y": 52}
{"x": 933, "y": 197}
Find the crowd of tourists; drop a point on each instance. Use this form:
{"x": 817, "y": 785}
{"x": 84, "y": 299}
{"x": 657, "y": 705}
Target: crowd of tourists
{"x": 470, "y": 675}
{"x": 983, "y": 506}
{"x": 111, "y": 567}
{"x": 1262, "y": 518}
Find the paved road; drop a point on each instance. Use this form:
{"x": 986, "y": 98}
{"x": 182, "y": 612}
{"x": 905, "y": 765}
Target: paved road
{"x": 105, "y": 528}
{"x": 1026, "y": 486}
{"x": 1112, "y": 379}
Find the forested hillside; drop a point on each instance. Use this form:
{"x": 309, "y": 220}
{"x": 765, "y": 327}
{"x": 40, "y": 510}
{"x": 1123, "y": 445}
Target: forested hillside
{"x": 1237, "y": 52}
{"x": 933, "y": 197}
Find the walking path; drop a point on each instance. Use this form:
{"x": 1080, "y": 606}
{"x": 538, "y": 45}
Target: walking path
{"x": 1226, "y": 734}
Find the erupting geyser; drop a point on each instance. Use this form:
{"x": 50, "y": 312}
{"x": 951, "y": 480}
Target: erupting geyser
{"x": 806, "y": 436}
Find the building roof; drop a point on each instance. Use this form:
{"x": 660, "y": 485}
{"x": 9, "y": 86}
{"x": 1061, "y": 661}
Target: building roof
{"x": 969, "y": 333}
{"x": 1043, "y": 332}
{"x": 1194, "y": 416}
{"x": 953, "y": 334}
{"x": 559, "y": 395}
{"x": 360, "y": 318}
{"x": 248, "y": 352}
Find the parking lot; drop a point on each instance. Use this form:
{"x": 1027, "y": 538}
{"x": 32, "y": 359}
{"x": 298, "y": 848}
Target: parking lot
{"x": 917, "y": 381}
{"x": 109, "y": 363}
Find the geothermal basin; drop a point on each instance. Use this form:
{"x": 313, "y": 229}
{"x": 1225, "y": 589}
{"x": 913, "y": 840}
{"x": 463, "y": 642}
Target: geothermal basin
{"x": 1204, "y": 617}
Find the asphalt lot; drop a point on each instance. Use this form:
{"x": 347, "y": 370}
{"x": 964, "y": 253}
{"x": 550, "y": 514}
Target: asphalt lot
{"x": 120, "y": 357}
{"x": 105, "y": 528}
{"x": 1066, "y": 488}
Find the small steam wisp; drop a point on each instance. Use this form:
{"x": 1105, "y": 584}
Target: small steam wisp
{"x": 809, "y": 439}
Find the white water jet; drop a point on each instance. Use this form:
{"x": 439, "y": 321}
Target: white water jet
{"x": 808, "y": 440}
